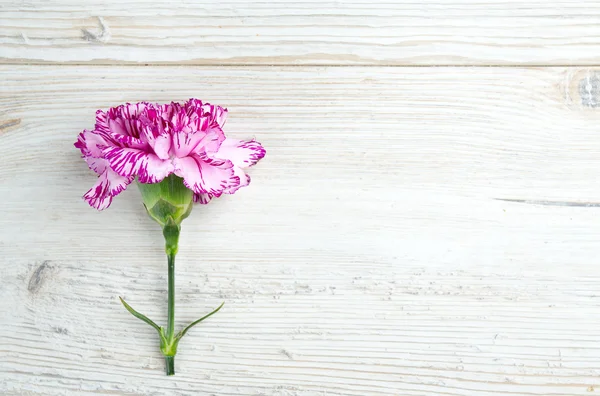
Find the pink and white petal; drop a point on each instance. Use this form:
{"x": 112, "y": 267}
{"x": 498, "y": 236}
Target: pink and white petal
{"x": 103, "y": 130}
{"x": 152, "y": 120}
{"x": 116, "y": 139}
{"x": 242, "y": 153}
{"x": 214, "y": 113}
{"x": 162, "y": 145}
{"x": 214, "y": 138}
{"x": 117, "y": 126}
{"x": 244, "y": 180}
{"x": 159, "y": 142}
{"x": 184, "y": 142}
{"x": 126, "y": 141}
{"x": 125, "y": 127}
{"x": 90, "y": 143}
{"x": 193, "y": 123}
{"x": 202, "y": 198}
{"x": 121, "y": 120}
{"x": 200, "y": 143}
{"x": 98, "y": 165}
{"x": 133, "y": 162}
{"x": 132, "y": 111}
{"x": 204, "y": 175}
{"x": 108, "y": 185}
{"x": 102, "y": 121}
{"x": 218, "y": 114}
{"x": 193, "y": 105}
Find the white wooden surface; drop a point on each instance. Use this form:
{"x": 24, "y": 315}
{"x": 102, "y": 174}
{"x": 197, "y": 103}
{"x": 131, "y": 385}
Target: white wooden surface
{"x": 348, "y": 32}
{"x": 412, "y": 230}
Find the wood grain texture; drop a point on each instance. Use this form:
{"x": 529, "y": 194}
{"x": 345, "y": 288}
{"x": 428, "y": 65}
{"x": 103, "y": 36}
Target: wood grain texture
{"x": 356, "y": 32}
{"x": 408, "y": 233}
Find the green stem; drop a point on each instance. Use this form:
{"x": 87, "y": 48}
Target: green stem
{"x": 169, "y": 343}
{"x": 170, "y": 364}
{"x": 171, "y": 310}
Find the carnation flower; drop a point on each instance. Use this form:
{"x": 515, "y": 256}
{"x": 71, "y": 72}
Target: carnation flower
{"x": 151, "y": 141}
{"x": 178, "y": 154}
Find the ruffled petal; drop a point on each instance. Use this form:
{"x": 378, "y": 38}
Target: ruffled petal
{"x": 242, "y": 153}
{"x": 160, "y": 143}
{"x": 108, "y": 185}
{"x": 98, "y": 165}
{"x": 184, "y": 142}
{"x": 202, "y": 198}
{"x": 111, "y": 137}
{"x": 193, "y": 123}
{"x": 118, "y": 126}
{"x": 130, "y": 111}
{"x": 102, "y": 121}
{"x": 91, "y": 143}
{"x": 201, "y": 143}
{"x": 146, "y": 166}
{"x": 214, "y": 138}
{"x": 244, "y": 180}
{"x": 204, "y": 175}
{"x": 122, "y": 120}
{"x": 119, "y": 140}
{"x": 218, "y": 114}
{"x": 214, "y": 113}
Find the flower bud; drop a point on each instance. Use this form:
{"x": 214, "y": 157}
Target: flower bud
{"x": 167, "y": 202}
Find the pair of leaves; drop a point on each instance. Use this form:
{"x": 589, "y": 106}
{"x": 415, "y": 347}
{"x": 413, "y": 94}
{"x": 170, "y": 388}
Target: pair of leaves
{"x": 160, "y": 329}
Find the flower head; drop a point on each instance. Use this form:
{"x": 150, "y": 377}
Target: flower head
{"x": 152, "y": 141}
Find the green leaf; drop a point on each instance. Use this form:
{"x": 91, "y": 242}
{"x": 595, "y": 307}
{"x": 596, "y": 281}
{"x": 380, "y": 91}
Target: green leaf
{"x": 141, "y": 317}
{"x": 182, "y": 333}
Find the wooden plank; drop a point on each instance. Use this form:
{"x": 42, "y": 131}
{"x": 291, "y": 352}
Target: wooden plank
{"x": 309, "y": 32}
{"x": 410, "y": 232}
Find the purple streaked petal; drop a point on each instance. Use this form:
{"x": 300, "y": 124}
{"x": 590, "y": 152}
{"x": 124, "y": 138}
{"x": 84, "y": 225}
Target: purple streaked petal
{"x": 200, "y": 143}
{"x": 121, "y": 120}
{"x": 204, "y": 175}
{"x": 98, "y": 165}
{"x": 113, "y": 138}
{"x": 102, "y": 121}
{"x": 214, "y": 138}
{"x": 244, "y": 180}
{"x": 117, "y": 126}
{"x": 125, "y": 141}
{"x": 196, "y": 122}
{"x": 108, "y": 185}
{"x": 133, "y": 111}
{"x": 160, "y": 143}
{"x": 214, "y": 113}
{"x": 242, "y": 153}
{"x": 90, "y": 143}
{"x": 186, "y": 142}
{"x": 218, "y": 114}
{"x": 202, "y": 198}
{"x": 148, "y": 167}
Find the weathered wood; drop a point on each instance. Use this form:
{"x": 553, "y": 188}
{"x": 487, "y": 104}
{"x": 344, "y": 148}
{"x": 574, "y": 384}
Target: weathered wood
{"x": 398, "y": 32}
{"x": 410, "y": 232}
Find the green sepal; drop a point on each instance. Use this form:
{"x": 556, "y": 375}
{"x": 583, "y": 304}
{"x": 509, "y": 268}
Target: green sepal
{"x": 168, "y": 199}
